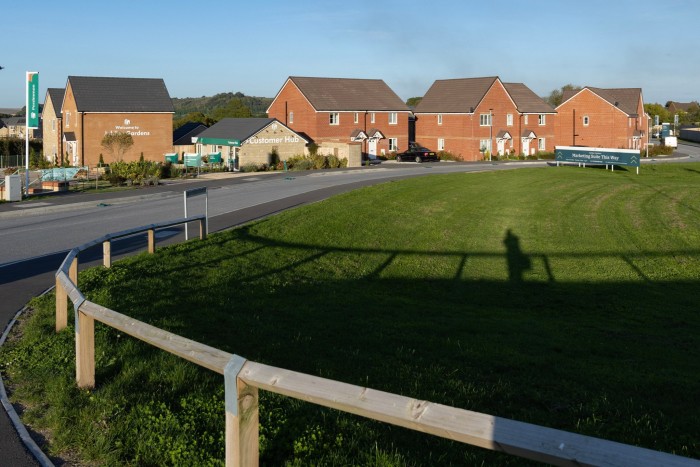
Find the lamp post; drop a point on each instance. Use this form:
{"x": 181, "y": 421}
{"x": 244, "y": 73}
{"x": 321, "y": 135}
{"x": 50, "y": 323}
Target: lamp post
{"x": 490, "y": 133}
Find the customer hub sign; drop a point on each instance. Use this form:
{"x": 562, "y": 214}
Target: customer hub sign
{"x": 605, "y": 156}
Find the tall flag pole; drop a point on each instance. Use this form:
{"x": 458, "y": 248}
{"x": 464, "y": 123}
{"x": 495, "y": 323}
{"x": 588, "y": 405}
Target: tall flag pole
{"x": 31, "y": 118}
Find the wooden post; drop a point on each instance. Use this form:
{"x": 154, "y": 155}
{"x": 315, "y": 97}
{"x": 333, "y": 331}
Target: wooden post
{"x": 203, "y": 229}
{"x": 107, "y": 253}
{"x": 73, "y": 271}
{"x": 84, "y": 350}
{"x": 242, "y": 448}
{"x": 61, "y": 306}
{"x": 151, "y": 241}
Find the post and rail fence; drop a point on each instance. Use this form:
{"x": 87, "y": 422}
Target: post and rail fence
{"x": 243, "y": 378}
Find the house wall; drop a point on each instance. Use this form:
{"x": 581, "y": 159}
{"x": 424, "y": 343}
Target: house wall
{"x": 51, "y": 125}
{"x": 257, "y": 150}
{"x": 608, "y": 126}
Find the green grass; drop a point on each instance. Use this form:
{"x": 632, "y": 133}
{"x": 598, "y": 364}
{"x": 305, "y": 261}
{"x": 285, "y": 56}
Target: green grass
{"x": 563, "y": 297}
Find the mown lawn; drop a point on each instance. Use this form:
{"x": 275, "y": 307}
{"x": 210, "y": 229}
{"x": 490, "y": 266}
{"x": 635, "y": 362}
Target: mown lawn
{"x": 563, "y": 297}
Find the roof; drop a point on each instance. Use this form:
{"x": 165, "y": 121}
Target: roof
{"x": 100, "y": 94}
{"x": 183, "y": 135}
{"x": 526, "y": 100}
{"x": 349, "y": 94}
{"x": 682, "y": 106}
{"x": 69, "y": 136}
{"x": 14, "y": 121}
{"x": 239, "y": 128}
{"x": 625, "y": 99}
{"x": 455, "y": 95}
{"x": 56, "y": 96}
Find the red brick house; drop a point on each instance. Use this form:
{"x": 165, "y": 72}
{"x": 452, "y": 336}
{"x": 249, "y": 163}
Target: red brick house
{"x": 605, "y": 118}
{"x": 476, "y": 117}
{"x": 342, "y": 110}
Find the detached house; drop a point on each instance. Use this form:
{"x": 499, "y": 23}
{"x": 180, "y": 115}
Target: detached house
{"x": 606, "y": 118}
{"x": 95, "y": 106}
{"x": 347, "y": 111}
{"x": 51, "y": 125}
{"x": 476, "y": 117}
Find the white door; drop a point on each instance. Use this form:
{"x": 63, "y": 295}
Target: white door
{"x": 500, "y": 144}
{"x": 372, "y": 148}
{"x": 526, "y": 146}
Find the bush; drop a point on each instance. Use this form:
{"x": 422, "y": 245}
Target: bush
{"x": 449, "y": 156}
{"x": 249, "y": 167}
{"x": 657, "y": 150}
{"x": 332, "y": 162}
{"x": 544, "y": 155}
{"x": 134, "y": 173}
{"x": 273, "y": 158}
{"x": 304, "y": 164}
{"x": 319, "y": 161}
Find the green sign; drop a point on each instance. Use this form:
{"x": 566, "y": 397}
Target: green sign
{"x": 32, "y": 99}
{"x": 606, "y": 156}
{"x": 220, "y": 141}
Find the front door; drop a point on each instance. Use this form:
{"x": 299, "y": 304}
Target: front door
{"x": 500, "y": 144}
{"x": 526, "y": 146}
{"x": 372, "y": 148}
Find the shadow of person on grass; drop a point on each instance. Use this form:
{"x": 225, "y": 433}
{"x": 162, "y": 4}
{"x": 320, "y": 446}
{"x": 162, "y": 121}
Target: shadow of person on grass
{"x": 518, "y": 262}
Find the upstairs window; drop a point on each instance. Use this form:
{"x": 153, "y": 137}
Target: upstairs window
{"x": 356, "y": 117}
{"x": 371, "y": 117}
{"x": 509, "y": 120}
{"x": 291, "y": 117}
{"x": 393, "y": 118}
{"x": 541, "y": 119}
{"x": 334, "y": 118}
{"x": 485, "y": 120}
{"x": 586, "y": 120}
{"x": 525, "y": 119}
{"x": 439, "y": 119}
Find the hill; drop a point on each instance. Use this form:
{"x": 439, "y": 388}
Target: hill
{"x": 209, "y": 104}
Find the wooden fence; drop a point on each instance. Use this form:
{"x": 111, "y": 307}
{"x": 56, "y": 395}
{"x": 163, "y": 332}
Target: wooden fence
{"x": 243, "y": 379}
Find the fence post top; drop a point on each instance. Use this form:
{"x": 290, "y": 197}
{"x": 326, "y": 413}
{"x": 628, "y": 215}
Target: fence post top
{"x": 231, "y": 370}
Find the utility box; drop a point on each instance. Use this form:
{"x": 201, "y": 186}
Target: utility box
{"x": 13, "y": 188}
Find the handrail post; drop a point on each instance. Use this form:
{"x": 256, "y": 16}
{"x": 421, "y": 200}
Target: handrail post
{"x": 84, "y": 349}
{"x": 151, "y": 241}
{"x": 107, "y": 253}
{"x": 73, "y": 271}
{"x": 61, "y": 306}
{"x": 203, "y": 229}
{"x": 242, "y": 424}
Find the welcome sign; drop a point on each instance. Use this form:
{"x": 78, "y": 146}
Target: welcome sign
{"x": 605, "y": 156}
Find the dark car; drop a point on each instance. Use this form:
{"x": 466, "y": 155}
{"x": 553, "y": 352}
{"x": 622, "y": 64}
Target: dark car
{"x": 417, "y": 153}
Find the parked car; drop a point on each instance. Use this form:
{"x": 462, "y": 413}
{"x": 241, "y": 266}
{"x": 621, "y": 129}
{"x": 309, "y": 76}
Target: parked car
{"x": 417, "y": 153}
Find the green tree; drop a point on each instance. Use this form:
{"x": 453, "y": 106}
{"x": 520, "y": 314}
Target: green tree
{"x": 413, "y": 101}
{"x": 555, "y": 97}
{"x": 117, "y": 144}
{"x": 660, "y": 110}
{"x": 198, "y": 117}
{"x": 234, "y": 109}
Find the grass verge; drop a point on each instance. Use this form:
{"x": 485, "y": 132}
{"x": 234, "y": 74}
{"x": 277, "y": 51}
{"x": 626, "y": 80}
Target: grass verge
{"x": 563, "y": 297}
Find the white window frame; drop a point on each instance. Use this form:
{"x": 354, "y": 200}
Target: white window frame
{"x": 509, "y": 120}
{"x": 441, "y": 144}
{"x": 439, "y": 119}
{"x": 67, "y": 119}
{"x": 541, "y": 144}
{"x": 586, "y": 120}
{"x": 53, "y": 125}
{"x": 356, "y": 117}
{"x": 291, "y": 117}
{"x": 393, "y": 144}
{"x": 485, "y": 145}
{"x": 525, "y": 120}
{"x": 393, "y": 118}
{"x": 334, "y": 118}
{"x": 372, "y": 117}
{"x": 542, "y": 119}
{"x": 485, "y": 119}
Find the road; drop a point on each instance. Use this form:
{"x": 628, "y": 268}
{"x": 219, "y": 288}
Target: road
{"x": 35, "y": 235}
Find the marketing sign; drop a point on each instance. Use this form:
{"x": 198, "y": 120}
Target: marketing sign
{"x": 606, "y": 156}
{"x": 32, "y": 99}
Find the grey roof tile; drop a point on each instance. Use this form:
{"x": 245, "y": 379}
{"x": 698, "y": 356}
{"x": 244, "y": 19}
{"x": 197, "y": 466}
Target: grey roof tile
{"x": 455, "y": 95}
{"x": 526, "y": 100}
{"x": 349, "y": 94}
{"x": 106, "y": 94}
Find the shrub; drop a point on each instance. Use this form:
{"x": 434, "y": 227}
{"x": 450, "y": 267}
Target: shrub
{"x": 249, "y": 167}
{"x": 449, "y": 156}
{"x": 545, "y": 155}
{"x": 332, "y": 161}
{"x": 134, "y": 173}
{"x": 313, "y": 148}
{"x": 657, "y": 150}
{"x": 319, "y": 161}
{"x": 273, "y": 158}
{"x": 304, "y": 164}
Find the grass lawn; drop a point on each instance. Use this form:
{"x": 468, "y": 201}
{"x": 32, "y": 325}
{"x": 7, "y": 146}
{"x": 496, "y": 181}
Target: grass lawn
{"x": 563, "y": 297}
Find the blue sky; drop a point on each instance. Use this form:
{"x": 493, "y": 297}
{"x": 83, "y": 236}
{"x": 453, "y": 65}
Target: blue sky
{"x": 206, "y": 47}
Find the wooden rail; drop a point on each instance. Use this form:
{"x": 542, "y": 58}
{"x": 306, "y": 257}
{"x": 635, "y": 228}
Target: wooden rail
{"x": 243, "y": 378}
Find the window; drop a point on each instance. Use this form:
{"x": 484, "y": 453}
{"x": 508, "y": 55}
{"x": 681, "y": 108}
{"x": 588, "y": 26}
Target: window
{"x": 541, "y": 119}
{"x": 541, "y": 144}
{"x": 291, "y": 117}
{"x": 586, "y": 120}
{"x": 334, "y": 118}
{"x": 356, "y": 117}
{"x": 371, "y": 117}
{"x": 509, "y": 120}
{"x": 53, "y": 125}
{"x": 393, "y": 118}
{"x": 525, "y": 120}
{"x": 67, "y": 119}
{"x": 485, "y": 145}
{"x": 485, "y": 120}
{"x": 441, "y": 144}
{"x": 439, "y": 119}
{"x": 393, "y": 144}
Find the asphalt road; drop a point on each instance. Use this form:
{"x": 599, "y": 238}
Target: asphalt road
{"x": 35, "y": 235}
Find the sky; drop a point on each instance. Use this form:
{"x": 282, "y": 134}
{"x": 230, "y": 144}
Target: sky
{"x": 205, "y": 47}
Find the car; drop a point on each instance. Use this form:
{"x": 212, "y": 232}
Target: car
{"x": 417, "y": 153}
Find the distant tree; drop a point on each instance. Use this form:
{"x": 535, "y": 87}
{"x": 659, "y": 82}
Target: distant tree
{"x": 198, "y": 117}
{"x": 413, "y": 101}
{"x": 234, "y": 109}
{"x": 556, "y": 96}
{"x": 117, "y": 144}
{"x": 660, "y": 110}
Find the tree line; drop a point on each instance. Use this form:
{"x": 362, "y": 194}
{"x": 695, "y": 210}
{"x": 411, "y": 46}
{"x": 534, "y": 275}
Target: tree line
{"x": 209, "y": 110}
